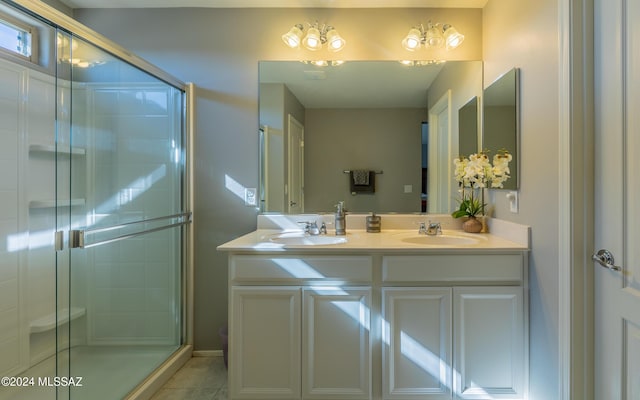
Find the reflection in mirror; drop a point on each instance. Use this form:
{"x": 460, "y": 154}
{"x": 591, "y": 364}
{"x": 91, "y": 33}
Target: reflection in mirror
{"x": 359, "y": 116}
{"x": 468, "y": 127}
{"x": 501, "y": 121}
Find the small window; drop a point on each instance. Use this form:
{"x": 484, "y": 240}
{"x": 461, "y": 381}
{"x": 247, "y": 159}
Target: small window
{"x": 17, "y": 38}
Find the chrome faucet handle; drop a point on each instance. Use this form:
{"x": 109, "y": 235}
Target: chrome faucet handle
{"x": 323, "y": 229}
{"x": 422, "y": 229}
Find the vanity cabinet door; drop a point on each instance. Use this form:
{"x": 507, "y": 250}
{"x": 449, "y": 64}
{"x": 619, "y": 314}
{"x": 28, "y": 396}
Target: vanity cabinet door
{"x": 264, "y": 338}
{"x": 416, "y": 343}
{"x": 489, "y": 343}
{"x": 336, "y": 355}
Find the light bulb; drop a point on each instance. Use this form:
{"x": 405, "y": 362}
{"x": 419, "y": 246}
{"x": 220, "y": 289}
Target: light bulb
{"x": 452, "y": 37}
{"x": 312, "y": 41}
{"x": 433, "y": 37}
{"x": 292, "y": 38}
{"x": 412, "y": 40}
{"x": 335, "y": 41}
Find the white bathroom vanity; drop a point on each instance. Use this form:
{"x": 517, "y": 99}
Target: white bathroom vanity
{"x": 389, "y": 315}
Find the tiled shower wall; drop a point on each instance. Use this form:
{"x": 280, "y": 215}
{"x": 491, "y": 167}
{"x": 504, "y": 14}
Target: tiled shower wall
{"x": 12, "y": 222}
{"x": 134, "y": 282}
{"x": 27, "y": 193}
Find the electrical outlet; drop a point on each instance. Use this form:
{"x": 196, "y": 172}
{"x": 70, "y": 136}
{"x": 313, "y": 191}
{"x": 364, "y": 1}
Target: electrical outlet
{"x": 408, "y": 188}
{"x": 250, "y": 197}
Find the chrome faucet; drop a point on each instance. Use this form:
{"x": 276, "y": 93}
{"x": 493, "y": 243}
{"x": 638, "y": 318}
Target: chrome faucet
{"x": 311, "y": 227}
{"x": 434, "y": 228}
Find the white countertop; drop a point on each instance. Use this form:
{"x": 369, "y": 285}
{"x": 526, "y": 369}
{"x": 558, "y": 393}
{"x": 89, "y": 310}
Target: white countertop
{"x": 399, "y": 233}
{"x": 265, "y": 240}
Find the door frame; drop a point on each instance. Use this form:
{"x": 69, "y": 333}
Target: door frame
{"x": 435, "y": 160}
{"x": 576, "y": 199}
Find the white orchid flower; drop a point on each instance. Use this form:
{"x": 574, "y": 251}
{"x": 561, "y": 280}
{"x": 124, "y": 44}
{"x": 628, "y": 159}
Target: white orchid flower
{"x": 477, "y": 171}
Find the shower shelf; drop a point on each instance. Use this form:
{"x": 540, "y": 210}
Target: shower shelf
{"x": 52, "y": 203}
{"x": 49, "y": 322}
{"x": 43, "y": 148}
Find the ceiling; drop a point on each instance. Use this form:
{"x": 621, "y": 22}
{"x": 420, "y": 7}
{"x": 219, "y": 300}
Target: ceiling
{"x": 276, "y": 3}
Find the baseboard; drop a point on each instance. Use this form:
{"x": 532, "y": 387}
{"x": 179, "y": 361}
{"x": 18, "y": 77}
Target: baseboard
{"x": 207, "y": 353}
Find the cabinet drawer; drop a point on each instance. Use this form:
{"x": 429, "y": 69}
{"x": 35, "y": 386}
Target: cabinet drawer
{"x": 248, "y": 268}
{"x": 454, "y": 268}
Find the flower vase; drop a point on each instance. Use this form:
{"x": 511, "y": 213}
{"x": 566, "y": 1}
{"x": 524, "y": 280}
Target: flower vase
{"x": 472, "y": 225}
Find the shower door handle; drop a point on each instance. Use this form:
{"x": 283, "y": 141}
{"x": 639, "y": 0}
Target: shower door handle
{"x": 58, "y": 240}
{"x": 77, "y": 237}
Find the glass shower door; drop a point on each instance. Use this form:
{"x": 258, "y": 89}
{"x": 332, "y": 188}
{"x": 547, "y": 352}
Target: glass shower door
{"x": 120, "y": 180}
{"x": 65, "y": 155}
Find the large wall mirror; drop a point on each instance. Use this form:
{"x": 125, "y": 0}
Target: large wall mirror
{"x": 318, "y": 123}
{"x": 501, "y": 116}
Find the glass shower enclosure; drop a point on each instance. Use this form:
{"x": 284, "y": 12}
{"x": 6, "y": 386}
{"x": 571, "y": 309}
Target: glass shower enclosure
{"x": 93, "y": 215}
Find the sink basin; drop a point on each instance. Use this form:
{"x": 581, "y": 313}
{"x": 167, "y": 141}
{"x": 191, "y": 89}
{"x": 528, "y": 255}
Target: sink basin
{"x": 302, "y": 239}
{"x": 441, "y": 240}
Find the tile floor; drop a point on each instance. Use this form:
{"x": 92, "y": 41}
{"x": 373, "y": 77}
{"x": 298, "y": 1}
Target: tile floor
{"x": 201, "y": 378}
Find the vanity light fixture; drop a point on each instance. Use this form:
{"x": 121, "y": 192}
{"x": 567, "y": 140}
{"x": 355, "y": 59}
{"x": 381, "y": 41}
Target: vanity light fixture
{"x": 433, "y": 36}
{"x": 317, "y": 36}
{"x": 324, "y": 63}
{"x": 420, "y": 63}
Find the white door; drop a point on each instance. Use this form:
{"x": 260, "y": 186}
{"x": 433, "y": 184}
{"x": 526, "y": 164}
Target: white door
{"x": 295, "y": 168}
{"x": 440, "y": 161}
{"x": 617, "y": 200}
{"x": 272, "y": 171}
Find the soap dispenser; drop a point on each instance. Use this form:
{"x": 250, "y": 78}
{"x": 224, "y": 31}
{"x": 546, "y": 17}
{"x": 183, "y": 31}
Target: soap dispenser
{"x": 340, "y": 224}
